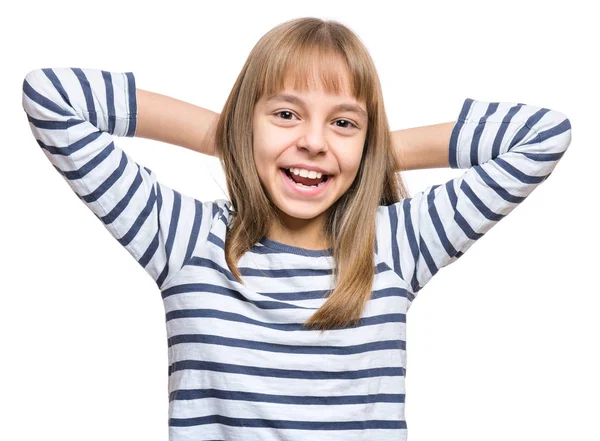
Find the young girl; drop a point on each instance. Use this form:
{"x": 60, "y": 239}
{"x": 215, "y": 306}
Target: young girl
{"x": 286, "y": 306}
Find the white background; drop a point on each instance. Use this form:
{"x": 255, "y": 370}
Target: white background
{"x": 502, "y": 344}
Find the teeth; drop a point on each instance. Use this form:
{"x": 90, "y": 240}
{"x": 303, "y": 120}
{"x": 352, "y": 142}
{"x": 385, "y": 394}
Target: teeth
{"x": 306, "y": 174}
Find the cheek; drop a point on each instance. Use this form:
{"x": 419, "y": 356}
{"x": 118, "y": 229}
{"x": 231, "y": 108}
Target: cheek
{"x": 349, "y": 160}
{"x": 355, "y": 164}
{"x": 264, "y": 161}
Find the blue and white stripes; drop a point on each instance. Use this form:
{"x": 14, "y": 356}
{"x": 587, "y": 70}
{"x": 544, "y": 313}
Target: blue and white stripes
{"x": 508, "y": 149}
{"x": 74, "y": 114}
{"x": 241, "y": 366}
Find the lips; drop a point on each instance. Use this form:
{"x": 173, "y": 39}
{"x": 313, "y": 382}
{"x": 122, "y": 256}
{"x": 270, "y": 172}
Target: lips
{"x": 303, "y": 191}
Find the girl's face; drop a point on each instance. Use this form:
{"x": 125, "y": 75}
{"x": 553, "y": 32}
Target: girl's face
{"x": 310, "y": 131}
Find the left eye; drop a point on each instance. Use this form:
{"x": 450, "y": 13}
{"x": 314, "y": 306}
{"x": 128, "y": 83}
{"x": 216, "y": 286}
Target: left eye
{"x": 292, "y": 114}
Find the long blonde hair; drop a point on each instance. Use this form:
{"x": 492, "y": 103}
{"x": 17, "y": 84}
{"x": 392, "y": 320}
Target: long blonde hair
{"x": 303, "y": 47}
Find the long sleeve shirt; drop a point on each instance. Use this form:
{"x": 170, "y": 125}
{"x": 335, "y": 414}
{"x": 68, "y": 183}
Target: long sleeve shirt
{"x": 241, "y": 366}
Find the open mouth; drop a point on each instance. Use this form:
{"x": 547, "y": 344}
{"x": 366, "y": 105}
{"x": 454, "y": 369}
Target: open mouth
{"x": 306, "y": 182}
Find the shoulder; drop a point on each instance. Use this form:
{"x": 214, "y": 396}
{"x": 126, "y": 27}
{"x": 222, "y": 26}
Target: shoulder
{"x": 221, "y": 209}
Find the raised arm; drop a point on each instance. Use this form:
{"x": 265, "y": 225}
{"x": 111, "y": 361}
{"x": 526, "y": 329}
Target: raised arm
{"x": 176, "y": 122}
{"x": 423, "y": 147}
{"x": 508, "y": 149}
{"x": 76, "y": 116}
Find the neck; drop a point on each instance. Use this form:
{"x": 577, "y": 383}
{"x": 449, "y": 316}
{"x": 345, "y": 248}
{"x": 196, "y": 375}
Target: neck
{"x": 302, "y": 233}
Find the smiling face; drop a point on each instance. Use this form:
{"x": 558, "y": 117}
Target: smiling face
{"x": 318, "y": 130}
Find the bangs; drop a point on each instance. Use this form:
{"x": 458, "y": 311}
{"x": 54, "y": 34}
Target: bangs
{"x": 312, "y": 68}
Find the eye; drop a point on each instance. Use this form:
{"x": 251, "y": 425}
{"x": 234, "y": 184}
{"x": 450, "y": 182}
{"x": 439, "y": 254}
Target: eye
{"x": 342, "y": 120}
{"x": 284, "y": 111}
{"x": 346, "y": 121}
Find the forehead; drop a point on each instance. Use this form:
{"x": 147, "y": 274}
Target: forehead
{"x": 293, "y": 97}
{"x": 297, "y": 89}
{"x": 310, "y": 72}
{"x": 318, "y": 80}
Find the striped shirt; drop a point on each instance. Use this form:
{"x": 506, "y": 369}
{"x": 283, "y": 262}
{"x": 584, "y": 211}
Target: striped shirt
{"x": 241, "y": 367}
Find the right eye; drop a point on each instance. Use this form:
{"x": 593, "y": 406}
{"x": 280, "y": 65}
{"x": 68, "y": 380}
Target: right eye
{"x": 284, "y": 111}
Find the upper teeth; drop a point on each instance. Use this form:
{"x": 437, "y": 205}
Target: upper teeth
{"x": 306, "y": 174}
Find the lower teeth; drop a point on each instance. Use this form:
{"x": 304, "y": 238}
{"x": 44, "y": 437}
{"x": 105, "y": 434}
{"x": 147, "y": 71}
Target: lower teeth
{"x": 309, "y": 186}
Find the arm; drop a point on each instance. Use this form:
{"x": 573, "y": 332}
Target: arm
{"x": 176, "y": 122}
{"x": 423, "y": 147}
{"x": 508, "y": 150}
{"x": 76, "y": 116}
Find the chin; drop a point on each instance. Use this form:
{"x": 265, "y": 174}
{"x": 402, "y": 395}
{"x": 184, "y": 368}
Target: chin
{"x": 298, "y": 213}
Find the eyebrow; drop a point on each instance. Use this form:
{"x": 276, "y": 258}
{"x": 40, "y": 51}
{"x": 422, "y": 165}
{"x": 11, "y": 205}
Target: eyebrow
{"x": 347, "y": 107}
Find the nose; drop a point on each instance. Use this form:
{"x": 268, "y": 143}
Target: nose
{"x": 313, "y": 139}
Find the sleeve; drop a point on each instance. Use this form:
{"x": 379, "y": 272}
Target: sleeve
{"x": 74, "y": 115}
{"x": 508, "y": 150}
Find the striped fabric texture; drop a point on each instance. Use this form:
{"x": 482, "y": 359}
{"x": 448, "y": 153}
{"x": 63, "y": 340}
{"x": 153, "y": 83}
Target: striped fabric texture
{"x": 241, "y": 367}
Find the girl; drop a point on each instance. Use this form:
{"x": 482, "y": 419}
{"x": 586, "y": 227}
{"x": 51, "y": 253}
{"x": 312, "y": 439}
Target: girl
{"x": 286, "y": 306}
